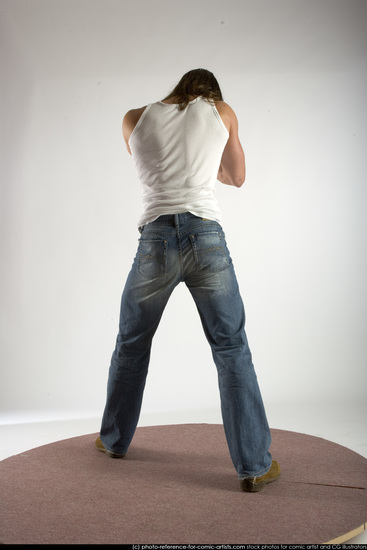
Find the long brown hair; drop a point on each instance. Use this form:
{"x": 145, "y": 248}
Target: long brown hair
{"x": 198, "y": 82}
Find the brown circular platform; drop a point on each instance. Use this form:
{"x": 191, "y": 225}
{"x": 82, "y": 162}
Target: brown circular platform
{"x": 177, "y": 485}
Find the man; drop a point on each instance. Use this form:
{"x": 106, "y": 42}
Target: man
{"x": 180, "y": 147}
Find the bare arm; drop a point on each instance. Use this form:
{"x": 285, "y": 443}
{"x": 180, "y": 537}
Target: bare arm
{"x": 232, "y": 170}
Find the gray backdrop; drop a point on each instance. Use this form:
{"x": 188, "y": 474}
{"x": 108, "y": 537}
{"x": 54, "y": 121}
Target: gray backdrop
{"x": 294, "y": 71}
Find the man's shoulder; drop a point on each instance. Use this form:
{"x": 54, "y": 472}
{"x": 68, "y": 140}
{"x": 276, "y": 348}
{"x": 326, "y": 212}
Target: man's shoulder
{"x": 129, "y": 122}
{"x": 227, "y": 114}
{"x": 135, "y": 114}
{"x": 223, "y": 107}
{"x": 131, "y": 119}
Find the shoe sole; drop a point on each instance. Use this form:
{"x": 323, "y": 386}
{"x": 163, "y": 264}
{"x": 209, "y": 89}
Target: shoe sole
{"x": 249, "y": 485}
{"x": 100, "y": 447}
{"x": 111, "y": 455}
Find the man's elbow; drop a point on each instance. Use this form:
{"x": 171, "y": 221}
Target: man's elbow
{"x": 240, "y": 175}
{"x": 239, "y": 179}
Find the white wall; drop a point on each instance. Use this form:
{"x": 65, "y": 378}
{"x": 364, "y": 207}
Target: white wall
{"x": 295, "y": 73}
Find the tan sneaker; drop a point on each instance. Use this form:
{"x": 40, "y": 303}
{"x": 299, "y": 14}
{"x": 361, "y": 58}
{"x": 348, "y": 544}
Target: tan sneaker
{"x": 101, "y": 447}
{"x": 255, "y": 484}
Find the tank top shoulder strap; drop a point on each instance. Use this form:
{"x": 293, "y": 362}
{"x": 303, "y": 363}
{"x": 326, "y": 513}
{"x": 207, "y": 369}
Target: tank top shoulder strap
{"x": 142, "y": 116}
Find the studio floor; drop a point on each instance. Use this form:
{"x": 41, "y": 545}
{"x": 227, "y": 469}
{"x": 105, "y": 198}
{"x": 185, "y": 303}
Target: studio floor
{"x": 342, "y": 423}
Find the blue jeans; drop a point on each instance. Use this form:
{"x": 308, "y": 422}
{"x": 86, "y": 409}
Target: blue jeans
{"x": 172, "y": 249}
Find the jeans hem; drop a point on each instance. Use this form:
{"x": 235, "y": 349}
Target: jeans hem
{"x": 241, "y": 476}
{"x": 122, "y": 453}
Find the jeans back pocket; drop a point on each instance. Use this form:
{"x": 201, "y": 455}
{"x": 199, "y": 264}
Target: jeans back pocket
{"x": 210, "y": 251}
{"x": 152, "y": 258}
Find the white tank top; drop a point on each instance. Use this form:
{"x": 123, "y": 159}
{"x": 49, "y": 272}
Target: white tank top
{"x": 177, "y": 156}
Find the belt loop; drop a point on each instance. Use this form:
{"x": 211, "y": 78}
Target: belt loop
{"x": 176, "y": 221}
